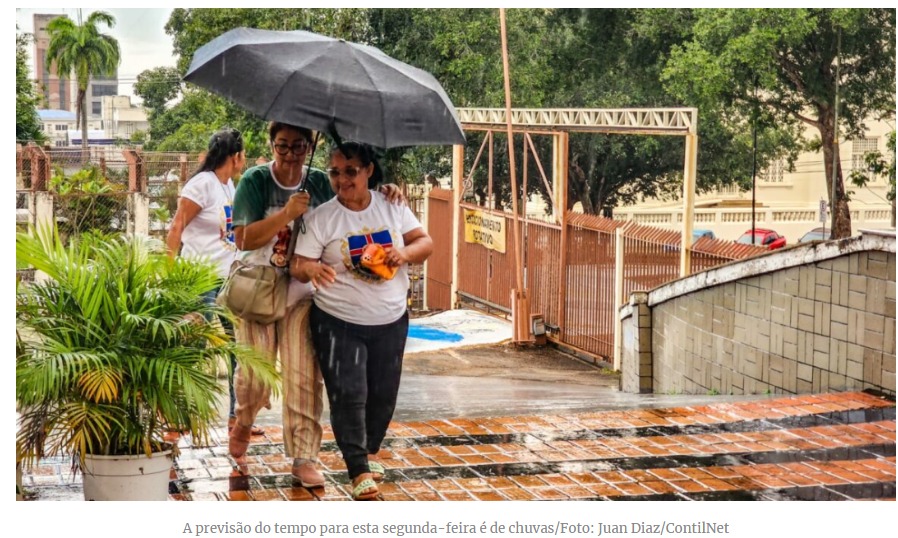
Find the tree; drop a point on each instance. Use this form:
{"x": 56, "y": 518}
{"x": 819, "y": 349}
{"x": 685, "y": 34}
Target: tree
{"x": 783, "y": 64}
{"x": 28, "y": 125}
{"x": 156, "y": 87}
{"x": 82, "y": 49}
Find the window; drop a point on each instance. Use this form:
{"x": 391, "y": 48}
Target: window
{"x": 101, "y": 90}
{"x": 60, "y": 143}
{"x": 859, "y": 148}
{"x": 774, "y": 172}
{"x": 96, "y": 108}
{"x": 62, "y": 127}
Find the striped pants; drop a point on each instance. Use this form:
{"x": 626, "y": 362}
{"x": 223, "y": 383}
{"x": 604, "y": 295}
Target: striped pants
{"x": 290, "y": 339}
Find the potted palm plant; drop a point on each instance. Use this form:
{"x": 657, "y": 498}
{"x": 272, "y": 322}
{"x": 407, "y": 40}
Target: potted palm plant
{"x": 112, "y": 352}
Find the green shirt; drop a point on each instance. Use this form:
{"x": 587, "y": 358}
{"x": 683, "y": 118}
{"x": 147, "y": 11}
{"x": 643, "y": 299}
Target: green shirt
{"x": 259, "y": 195}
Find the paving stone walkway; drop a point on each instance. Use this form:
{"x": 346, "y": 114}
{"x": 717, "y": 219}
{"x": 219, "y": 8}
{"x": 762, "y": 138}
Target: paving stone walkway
{"x": 838, "y": 446}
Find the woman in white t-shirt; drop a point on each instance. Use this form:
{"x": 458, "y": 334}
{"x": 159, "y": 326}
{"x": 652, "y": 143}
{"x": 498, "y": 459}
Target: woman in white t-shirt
{"x": 355, "y": 250}
{"x": 203, "y": 224}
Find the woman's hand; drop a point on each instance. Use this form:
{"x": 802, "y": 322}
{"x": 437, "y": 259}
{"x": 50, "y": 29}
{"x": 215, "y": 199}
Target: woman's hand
{"x": 393, "y": 193}
{"x": 297, "y": 205}
{"x": 309, "y": 270}
{"x": 321, "y": 275}
{"x": 396, "y": 257}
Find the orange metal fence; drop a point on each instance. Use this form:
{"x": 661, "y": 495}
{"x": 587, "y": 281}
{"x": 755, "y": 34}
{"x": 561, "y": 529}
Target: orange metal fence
{"x": 569, "y": 269}
{"x": 439, "y": 265}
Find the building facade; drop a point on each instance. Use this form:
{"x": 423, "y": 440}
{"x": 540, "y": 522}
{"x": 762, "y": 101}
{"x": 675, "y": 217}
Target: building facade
{"x": 61, "y": 92}
{"x": 787, "y": 200}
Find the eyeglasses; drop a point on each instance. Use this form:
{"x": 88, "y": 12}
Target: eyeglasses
{"x": 349, "y": 171}
{"x": 297, "y": 148}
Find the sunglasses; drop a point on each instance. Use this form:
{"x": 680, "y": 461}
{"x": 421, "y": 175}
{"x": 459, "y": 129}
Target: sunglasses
{"x": 350, "y": 171}
{"x": 297, "y": 148}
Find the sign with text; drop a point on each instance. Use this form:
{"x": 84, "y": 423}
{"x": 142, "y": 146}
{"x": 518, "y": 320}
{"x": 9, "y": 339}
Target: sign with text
{"x": 485, "y": 229}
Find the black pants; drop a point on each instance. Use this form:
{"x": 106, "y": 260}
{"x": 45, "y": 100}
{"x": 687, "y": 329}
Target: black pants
{"x": 361, "y": 366}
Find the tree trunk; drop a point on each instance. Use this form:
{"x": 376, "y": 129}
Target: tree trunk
{"x": 841, "y": 224}
{"x": 579, "y": 185}
{"x": 82, "y": 102}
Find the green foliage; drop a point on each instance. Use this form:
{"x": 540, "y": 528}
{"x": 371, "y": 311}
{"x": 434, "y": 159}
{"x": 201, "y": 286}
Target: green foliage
{"x": 28, "y": 125}
{"x": 156, "y": 87}
{"x": 112, "y": 350}
{"x": 83, "y": 50}
{"x": 778, "y": 67}
{"x": 87, "y": 200}
{"x": 714, "y": 60}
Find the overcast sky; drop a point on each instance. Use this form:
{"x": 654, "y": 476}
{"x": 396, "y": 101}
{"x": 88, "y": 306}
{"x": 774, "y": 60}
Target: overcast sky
{"x": 140, "y": 33}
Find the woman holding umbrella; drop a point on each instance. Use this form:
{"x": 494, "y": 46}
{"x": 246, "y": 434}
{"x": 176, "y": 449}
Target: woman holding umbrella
{"x": 269, "y": 198}
{"x": 359, "y": 318}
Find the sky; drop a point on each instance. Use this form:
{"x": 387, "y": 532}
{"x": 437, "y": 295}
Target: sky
{"x": 140, "y": 33}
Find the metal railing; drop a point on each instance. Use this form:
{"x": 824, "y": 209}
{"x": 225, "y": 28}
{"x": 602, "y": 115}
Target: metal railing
{"x": 569, "y": 269}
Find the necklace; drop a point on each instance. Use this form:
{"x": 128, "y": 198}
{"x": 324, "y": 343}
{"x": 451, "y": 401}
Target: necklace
{"x": 229, "y": 196}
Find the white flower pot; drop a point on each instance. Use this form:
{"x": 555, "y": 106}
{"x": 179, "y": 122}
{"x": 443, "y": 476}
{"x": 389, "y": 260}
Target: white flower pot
{"x": 127, "y": 478}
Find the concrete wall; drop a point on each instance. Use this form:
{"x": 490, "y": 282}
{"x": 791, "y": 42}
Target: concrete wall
{"x": 811, "y": 318}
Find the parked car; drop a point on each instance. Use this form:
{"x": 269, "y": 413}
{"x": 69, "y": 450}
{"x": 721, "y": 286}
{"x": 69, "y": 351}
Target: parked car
{"x": 699, "y": 233}
{"x": 817, "y": 234}
{"x": 763, "y": 237}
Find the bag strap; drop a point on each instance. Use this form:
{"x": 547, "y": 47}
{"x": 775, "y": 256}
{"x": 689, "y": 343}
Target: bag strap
{"x": 297, "y": 229}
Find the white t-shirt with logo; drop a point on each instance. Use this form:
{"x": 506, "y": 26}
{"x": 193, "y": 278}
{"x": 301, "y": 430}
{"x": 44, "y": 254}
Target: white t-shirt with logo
{"x": 336, "y": 235}
{"x": 210, "y": 233}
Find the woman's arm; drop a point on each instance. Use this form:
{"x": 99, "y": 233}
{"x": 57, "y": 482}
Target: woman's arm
{"x": 418, "y": 246}
{"x": 186, "y": 212}
{"x": 309, "y": 270}
{"x": 259, "y": 233}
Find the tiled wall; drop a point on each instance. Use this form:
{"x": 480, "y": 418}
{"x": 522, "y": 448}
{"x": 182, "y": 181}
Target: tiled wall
{"x": 813, "y": 327}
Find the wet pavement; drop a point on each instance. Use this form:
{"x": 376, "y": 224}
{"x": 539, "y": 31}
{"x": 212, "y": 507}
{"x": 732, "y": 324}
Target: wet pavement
{"x": 838, "y": 446}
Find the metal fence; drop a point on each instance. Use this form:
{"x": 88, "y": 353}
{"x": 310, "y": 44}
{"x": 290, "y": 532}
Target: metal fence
{"x": 569, "y": 269}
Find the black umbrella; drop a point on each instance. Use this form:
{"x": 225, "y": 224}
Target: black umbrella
{"x": 351, "y": 91}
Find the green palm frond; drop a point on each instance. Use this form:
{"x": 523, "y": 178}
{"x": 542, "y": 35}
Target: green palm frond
{"x": 106, "y": 356}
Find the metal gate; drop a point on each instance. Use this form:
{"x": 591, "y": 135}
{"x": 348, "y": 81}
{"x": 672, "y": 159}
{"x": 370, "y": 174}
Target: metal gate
{"x": 439, "y": 265}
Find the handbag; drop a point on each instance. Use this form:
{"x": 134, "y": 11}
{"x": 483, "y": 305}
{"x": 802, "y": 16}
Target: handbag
{"x": 258, "y": 293}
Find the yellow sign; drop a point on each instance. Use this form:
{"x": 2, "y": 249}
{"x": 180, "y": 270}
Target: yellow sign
{"x": 485, "y": 229}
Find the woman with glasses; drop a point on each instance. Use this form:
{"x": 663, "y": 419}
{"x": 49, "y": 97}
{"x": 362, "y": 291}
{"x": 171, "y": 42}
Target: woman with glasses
{"x": 201, "y": 227}
{"x": 267, "y": 202}
{"x": 355, "y": 251}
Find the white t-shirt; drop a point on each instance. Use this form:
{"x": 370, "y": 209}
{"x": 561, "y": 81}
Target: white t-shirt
{"x": 335, "y": 235}
{"x": 210, "y": 233}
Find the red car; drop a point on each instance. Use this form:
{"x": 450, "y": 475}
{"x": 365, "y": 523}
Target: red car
{"x": 763, "y": 238}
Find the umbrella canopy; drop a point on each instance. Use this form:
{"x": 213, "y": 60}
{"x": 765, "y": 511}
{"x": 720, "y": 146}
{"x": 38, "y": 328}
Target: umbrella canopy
{"x": 327, "y": 84}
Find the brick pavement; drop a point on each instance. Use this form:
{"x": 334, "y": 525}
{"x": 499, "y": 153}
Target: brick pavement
{"x": 836, "y": 446}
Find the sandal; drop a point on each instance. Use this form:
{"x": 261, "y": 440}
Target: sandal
{"x": 238, "y": 440}
{"x": 365, "y": 490}
{"x": 377, "y": 471}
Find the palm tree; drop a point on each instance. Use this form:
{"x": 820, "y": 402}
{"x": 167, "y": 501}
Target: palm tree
{"x": 82, "y": 49}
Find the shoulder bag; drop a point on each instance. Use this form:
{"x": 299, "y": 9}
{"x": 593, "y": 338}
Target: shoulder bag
{"x": 258, "y": 293}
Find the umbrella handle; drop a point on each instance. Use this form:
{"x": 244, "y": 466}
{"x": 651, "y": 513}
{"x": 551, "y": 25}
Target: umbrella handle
{"x": 302, "y": 182}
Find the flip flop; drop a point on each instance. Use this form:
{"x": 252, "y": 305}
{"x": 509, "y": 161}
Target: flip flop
{"x": 377, "y": 471}
{"x": 362, "y": 491}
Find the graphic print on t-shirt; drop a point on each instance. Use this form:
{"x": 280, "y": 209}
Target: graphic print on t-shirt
{"x": 226, "y": 234}
{"x": 279, "y": 249}
{"x": 354, "y": 245}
